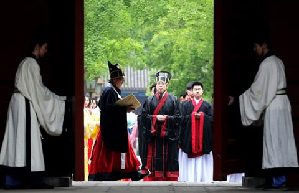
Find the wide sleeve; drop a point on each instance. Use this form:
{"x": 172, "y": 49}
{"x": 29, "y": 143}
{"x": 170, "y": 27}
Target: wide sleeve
{"x": 173, "y": 120}
{"x": 260, "y": 94}
{"x": 185, "y": 126}
{"x": 145, "y": 122}
{"x": 113, "y": 122}
{"x": 49, "y": 108}
{"x": 208, "y": 128}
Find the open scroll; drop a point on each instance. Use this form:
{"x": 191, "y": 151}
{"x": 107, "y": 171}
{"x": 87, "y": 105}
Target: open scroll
{"x": 129, "y": 100}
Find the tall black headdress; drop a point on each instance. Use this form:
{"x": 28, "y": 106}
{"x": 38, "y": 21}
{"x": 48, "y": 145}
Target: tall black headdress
{"x": 163, "y": 76}
{"x": 115, "y": 71}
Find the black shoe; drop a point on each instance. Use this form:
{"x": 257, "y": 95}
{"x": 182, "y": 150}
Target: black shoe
{"x": 140, "y": 175}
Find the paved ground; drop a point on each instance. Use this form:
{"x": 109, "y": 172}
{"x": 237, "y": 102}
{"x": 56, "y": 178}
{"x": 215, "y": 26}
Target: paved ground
{"x": 148, "y": 187}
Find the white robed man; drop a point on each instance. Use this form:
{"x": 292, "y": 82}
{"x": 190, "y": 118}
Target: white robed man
{"x": 32, "y": 106}
{"x": 267, "y": 100}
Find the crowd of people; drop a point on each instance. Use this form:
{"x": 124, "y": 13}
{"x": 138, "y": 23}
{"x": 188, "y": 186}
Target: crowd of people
{"x": 174, "y": 135}
{"x": 91, "y": 129}
{"x": 170, "y": 140}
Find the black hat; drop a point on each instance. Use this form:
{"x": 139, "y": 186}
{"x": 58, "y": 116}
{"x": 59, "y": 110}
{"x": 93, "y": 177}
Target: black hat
{"x": 163, "y": 75}
{"x": 115, "y": 71}
{"x": 189, "y": 85}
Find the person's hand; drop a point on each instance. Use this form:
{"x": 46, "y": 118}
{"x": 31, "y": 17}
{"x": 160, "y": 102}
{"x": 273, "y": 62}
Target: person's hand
{"x": 197, "y": 115}
{"x": 231, "y": 100}
{"x": 63, "y": 98}
{"x": 161, "y": 117}
{"x": 130, "y": 108}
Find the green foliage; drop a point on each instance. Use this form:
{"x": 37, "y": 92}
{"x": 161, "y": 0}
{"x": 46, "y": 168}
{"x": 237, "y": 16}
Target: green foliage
{"x": 173, "y": 35}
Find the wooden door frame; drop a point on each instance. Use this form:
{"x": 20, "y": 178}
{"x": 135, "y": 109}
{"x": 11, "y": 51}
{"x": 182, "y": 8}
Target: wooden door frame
{"x": 218, "y": 94}
{"x": 79, "y": 91}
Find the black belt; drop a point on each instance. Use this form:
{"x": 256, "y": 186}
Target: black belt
{"x": 16, "y": 90}
{"x": 282, "y": 91}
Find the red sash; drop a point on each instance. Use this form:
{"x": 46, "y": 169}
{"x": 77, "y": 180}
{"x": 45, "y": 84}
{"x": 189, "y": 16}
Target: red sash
{"x": 196, "y": 130}
{"x": 156, "y": 111}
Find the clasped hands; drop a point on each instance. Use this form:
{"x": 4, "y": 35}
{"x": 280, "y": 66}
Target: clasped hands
{"x": 197, "y": 115}
{"x": 161, "y": 117}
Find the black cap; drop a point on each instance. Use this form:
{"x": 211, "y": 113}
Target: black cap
{"x": 115, "y": 71}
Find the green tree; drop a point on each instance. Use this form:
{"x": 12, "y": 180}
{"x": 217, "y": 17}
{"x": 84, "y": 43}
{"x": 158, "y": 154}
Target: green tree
{"x": 173, "y": 35}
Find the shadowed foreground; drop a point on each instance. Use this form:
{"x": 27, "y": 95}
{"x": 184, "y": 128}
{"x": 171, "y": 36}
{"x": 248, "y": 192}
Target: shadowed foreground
{"x": 151, "y": 187}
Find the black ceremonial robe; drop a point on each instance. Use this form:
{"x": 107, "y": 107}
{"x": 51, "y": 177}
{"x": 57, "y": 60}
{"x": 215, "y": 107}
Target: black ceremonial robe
{"x": 185, "y": 142}
{"x": 159, "y": 140}
{"x": 113, "y": 120}
{"x": 108, "y": 161}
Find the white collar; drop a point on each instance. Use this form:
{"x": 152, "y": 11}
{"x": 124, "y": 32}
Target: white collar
{"x": 119, "y": 97}
{"x": 197, "y": 100}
